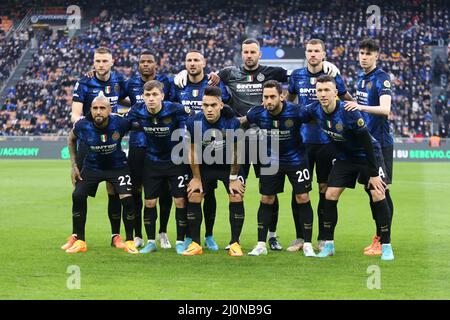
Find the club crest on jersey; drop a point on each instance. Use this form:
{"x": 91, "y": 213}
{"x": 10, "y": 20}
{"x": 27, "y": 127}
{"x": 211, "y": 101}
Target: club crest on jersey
{"x": 387, "y": 84}
{"x": 195, "y": 93}
{"x": 276, "y": 124}
{"x": 167, "y": 120}
{"x": 103, "y": 138}
{"x": 313, "y": 81}
{"x": 369, "y": 85}
{"x": 289, "y": 123}
{"x": 360, "y": 122}
{"x": 339, "y": 126}
{"x": 116, "y": 136}
{"x": 117, "y": 88}
{"x": 249, "y": 78}
{"x": 261, "y": 77}
{"x": 108, "y": 89}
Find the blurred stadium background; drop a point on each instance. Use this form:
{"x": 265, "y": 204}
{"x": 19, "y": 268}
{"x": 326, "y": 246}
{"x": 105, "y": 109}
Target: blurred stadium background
{"x": 41, "y": 59}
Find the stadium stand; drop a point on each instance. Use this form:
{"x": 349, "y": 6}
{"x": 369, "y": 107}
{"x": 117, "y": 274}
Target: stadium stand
{"x": 40, "y": 102}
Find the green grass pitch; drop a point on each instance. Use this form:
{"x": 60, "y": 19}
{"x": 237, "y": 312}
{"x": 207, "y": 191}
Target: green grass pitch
{"x": 35, "y": 205}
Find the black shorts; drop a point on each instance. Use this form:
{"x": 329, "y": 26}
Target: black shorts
{"x": 388, "y": 156}
{"x": 212, "y": 174}
{"x": 82, "y": 151}
{"x": 136, "y": 160}
{"x": 119, "y": 178}
{"x": 299, "y": 177}
{"x": 345, "y": 173}
{"x": 321, "y": 156}
{"x": 156, "y": 175}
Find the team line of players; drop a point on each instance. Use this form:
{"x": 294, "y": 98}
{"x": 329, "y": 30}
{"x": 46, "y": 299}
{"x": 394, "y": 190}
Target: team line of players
{"x": 345, "y": 141}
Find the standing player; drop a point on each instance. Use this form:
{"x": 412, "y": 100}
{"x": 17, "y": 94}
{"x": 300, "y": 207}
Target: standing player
{"x": 374, "y": 97}
{"x": 136, "y": 154}
{"x": 159, "y": 119}
{"x": 281, "y": 120}
{"x": 191, "y": 96}
{"x": 212, "y": 124}
{"x": 102, "y": 135}
{"x": 112, "y": 84}
{"x": 302, "y": 84}
{"x": 358, "y": 154}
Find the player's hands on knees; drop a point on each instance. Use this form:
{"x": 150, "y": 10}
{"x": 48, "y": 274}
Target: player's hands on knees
{"x": 237, "y": 187}
{"x": 352, "y": 106}
{"x": 214, "y": 79}
{"x": 75, "y": 175}
{"x": 378, "y": 184}
{"x": 193, "y": 186}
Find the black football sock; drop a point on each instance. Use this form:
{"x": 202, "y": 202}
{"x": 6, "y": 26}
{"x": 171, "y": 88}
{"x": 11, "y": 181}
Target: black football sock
{"x": 194, "y": 218}
{"x": 209, "y": 211}
{"x": 321, "y": 235}
{"x": 330, "y": 218}
{"x": 165, "y": 204}
{"x": 237, "y": 215}
{"x": 128, "y": 216}
{"x": 137, "y": 198}
{"x": 390, "y": 204}
{"x": 114, "y": 212}
{"x": 150, "y": 217}
{"x": 265, "y": 215}
{"x": 374, "y": 215}
{"x": 181, "y": 218}
{"x": 295, "y": 215}
{"x": 383, "y": 217}
{"x": 275, "y": 210}
{"x": 188, "y": 231}
{"x": 307, "y": 216}
{"x": 79, "y": 213}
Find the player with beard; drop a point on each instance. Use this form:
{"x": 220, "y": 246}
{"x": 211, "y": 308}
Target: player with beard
{"x": 102, "y": 133}
{"x": 112, "y": 85}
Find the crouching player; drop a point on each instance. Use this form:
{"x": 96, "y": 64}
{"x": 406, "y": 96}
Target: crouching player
{"x": 208, "y": 136}
{"x": 280, "y": 120}
{"x": 358, "y": 154}
{"x": 159, "y": 120}
{"x": 102, "y": 132}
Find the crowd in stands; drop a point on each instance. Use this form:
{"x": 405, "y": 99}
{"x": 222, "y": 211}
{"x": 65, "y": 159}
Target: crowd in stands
{"x": 41, "y": 101}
